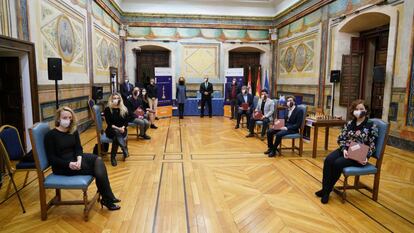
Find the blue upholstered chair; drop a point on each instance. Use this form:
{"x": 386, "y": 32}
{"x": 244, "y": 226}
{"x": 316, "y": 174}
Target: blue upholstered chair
{"x": 303, "y": 109}
{"x": 57, "y": 182}
{"x": 216, "y": 94}
{"x": 368, "y": 169}
{"x": 12, "y": 148}
{"x": 100, "y": 132}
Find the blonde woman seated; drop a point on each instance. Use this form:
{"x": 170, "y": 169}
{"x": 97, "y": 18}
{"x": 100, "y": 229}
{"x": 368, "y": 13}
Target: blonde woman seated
{"x": 65, "y": 154}
{"x": 116, "y": 117}
{"x": 361, "y": 130}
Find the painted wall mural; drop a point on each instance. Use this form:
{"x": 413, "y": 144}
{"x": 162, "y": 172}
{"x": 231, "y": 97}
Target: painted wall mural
{"x": 200, "y": 61}
{"x": 297, "y": 57}
{"x": 183, "y": 33}
{"x": 62, "y": 35}
{"x": 340, "y": 7}
{"x": 301, "y": 25}
{"x": 106, "y": 20}
{"x": 106, "y": 52}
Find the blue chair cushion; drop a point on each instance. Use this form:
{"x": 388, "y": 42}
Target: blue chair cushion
{"x": 259, "y": 122}
{"x": 292, "y": 136}
{"x": 359, "y": 171}
{"x": 26, "y": 165}
{"x": 53, "y": 181}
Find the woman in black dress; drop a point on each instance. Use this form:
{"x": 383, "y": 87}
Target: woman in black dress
{"x": 65, "y": 154}
{"x": 116, "y": 117}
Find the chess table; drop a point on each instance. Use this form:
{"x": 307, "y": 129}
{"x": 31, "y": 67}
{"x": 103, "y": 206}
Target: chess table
{"x": 318, "y": 122}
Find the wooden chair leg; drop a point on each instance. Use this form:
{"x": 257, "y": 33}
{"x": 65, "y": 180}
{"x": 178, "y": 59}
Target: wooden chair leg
{"x": 85, "y": 201}
{"x": 9, "y": 186}
{"x": 100, "y": 150}
{"x": 376, "y": 186}
{"x": 280, "y": 148}
{"x": 26, "y": 178}
{"x": 356, "y": 182}
{"x": 58, "y": 195}
{"x": 43, "y": 204}
{"x": 300, "y": 146}
{"x": 344, "y": 189}
{"x": 293, "y": 145}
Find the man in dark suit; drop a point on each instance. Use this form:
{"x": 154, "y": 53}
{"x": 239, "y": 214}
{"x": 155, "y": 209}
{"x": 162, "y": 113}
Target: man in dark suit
{"x": 206, "y": 89}
{"x": 126, "y": 90}
{"x": 244, "y": 98}
{"x": 293, "y": 121}
{"x": 233, "y": 89}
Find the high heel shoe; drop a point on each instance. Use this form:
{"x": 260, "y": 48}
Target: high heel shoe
{"x": 125, "y": 153}
{"x": 320, "y": 193}
{"x": 111, "y": 206}
{"x": 115, "y": 200}
{"x": 113, "y": 161}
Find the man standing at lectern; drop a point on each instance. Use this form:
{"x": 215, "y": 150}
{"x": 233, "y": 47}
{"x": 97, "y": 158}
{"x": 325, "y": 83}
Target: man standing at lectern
{"x": 206, "y": 89}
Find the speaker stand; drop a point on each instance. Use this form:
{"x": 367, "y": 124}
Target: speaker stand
{"x": 57, "y": 95}
{"x": 333, "y": 98}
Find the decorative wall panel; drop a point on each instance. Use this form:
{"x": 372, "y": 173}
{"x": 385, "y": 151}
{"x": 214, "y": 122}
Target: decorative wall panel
{"x": 62, "y": 35}
{"x": 200, "y": 60}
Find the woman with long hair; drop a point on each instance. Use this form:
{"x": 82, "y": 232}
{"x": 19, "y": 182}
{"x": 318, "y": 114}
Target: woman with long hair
{"x": 136, "y": 103}
{"x": 360, "y": 130}
{"x": 65, "y": 154}
{"x": 181, "y": 96}
{"x": 149, "y": 112}
{"x": 116, "y": 117}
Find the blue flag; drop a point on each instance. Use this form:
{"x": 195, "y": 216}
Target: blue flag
{"x": 266, "y": 83}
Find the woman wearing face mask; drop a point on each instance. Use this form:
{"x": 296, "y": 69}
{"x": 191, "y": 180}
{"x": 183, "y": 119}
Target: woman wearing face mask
{"x": 116, "y": 117}
{"x": 134, "y": 103}
{"x": 181, "y": 96}
{"x": 149, "y": 112}
{"x": 361, "y": 130}
{"x": 65, "y": 154}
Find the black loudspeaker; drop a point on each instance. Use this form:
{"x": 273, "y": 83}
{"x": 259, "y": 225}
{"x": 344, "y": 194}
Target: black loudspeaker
{"x": 54, "y": 68}
{"x": 335, "y": 76}
{"x": 379, "y": 73}
{"x": 97, "y": 92}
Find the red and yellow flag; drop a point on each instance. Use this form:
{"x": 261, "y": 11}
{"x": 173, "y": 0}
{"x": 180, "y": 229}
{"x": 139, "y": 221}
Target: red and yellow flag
{"x": 258, "y": 85}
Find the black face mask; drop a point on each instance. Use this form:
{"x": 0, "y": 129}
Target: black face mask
{"x": 181, "y": 82}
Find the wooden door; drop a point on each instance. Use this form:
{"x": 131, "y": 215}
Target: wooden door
{"x": 244, "y": 60}
{"x": 378, "y": 84}
{"x": 350, "y": 80}
{"x": 147, "y": 61}
{"x": 11, "y": 109}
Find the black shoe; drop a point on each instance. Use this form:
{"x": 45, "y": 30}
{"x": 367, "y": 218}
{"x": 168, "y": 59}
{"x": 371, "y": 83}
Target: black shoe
{"x": 113, "y": 161}
{"x": 153, "y": 126}
{"x": 237, "y": 126}
{"x": 115, "y": 200}
{"x": 268, "y": 151}
{"x": 156, "y": 118}
{"x": 110, "y": 205}
{"x": 319, "y": 193}
{"x": 181, "y": 117}
{"x": 146, "y": 137}
{"x": 272, "y": 154}
{"x": 210, "y": 116}
{"x": 125, "y": 153}
{"x": 325, "y": 198}
{"x": 250, "y": 135}
{"x": 202, "y": 116}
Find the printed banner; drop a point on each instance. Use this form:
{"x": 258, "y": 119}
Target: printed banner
{"x": 163, "y": 79}
{"x": 230, "y": 74}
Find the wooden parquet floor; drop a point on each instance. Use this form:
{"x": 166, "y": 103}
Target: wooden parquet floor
{"x": 202, "y": 175}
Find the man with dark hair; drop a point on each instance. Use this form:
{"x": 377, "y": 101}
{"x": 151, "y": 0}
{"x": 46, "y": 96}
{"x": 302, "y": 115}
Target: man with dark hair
{"x": 233, "y": 89}
{"x": 266, "y": 107}
{"x": 126, "y": 90}
{"x": 206, "y": 89}
{"x": 244, "y": 99}
{"x": 293, "y": 121}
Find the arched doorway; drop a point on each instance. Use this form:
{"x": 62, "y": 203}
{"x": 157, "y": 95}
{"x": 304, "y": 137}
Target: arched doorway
{"x": 364, "y": 68}
{"x": 149, "y": 57}
{"x": 245, "y": 57}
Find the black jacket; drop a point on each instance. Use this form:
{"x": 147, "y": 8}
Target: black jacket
{"x": 152, "y": 91}
{"x": 132, "y": 105}
{"x": 294, "y": 122}
{"x": 115, "y": 118}
{"x": 229, "y": 88}
{"x": 124, "y": 90}
{"x": 240, "y": 100}
{"x": 203, "y": 89}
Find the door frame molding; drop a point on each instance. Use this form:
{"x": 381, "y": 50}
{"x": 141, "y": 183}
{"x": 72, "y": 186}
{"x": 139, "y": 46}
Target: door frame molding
{"x": 29, "y": 48}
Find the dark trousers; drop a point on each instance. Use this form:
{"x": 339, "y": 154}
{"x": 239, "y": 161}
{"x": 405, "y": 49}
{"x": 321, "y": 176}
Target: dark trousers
{"x": 240, "y": 113}
{"x": 94, "y": 166}
{"x": 265, "y": 125}
{"x": 181, "y": 110}
{"x": 332, "y": 169}
{"x": 278, "y": 139}
{"x": 233, "y": 107}
{"x": 203, "y": 103}
{"x": 118, "y": 141}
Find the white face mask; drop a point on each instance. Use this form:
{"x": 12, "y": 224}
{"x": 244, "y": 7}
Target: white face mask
{"x": 244, "y": 92}
{"x": 64, "y": 123}
{"x": 115, "y": 101}
{"x": 359, "y": 113}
